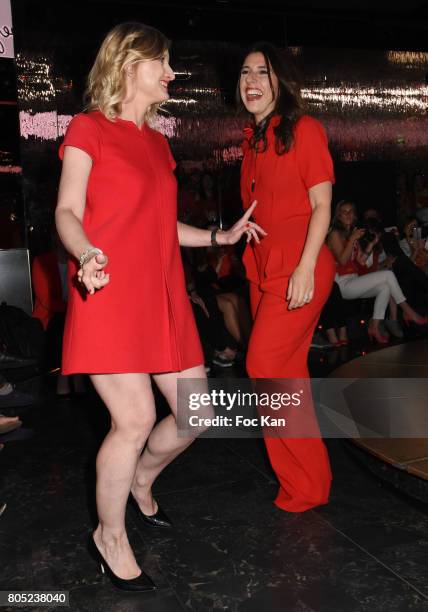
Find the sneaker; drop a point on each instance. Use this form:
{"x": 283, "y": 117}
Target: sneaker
{"x": 220, "y": 361}
{"x": 319, "y": 342}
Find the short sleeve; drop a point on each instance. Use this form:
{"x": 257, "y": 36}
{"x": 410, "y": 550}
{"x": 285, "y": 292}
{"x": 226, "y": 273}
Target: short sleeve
{"x": 313, "y": 157}
{"x": 83, "y": 133}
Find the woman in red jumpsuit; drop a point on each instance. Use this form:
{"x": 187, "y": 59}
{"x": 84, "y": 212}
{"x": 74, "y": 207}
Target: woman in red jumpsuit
{"x": 128, "y": 313}
{"x": 288, "y": 170}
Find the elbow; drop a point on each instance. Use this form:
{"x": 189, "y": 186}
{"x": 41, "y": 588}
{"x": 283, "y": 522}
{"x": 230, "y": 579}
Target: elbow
{"x": 59, "y": 216}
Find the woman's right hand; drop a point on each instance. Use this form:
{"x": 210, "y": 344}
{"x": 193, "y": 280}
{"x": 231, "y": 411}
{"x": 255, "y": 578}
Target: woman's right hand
{"x": 92, "y": 274}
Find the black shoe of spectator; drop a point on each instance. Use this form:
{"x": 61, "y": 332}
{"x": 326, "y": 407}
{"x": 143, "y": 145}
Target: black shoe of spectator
{"x": 15, "y": 399}
{"x": 8, "y": 361}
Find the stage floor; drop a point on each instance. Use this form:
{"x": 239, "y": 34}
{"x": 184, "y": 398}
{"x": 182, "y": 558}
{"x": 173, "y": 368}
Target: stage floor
{"x": 231, "y": 548}
{"x": 409, "y": 360}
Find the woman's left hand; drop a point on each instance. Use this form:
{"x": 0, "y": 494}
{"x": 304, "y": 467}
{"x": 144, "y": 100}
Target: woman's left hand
{"x": 243, "y": 226}
{"x": 300, "y": 288}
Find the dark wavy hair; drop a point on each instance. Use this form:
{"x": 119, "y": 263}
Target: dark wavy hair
{"x": 289, "y": 104}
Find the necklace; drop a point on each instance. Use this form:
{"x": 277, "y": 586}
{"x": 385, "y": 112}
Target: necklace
{"x": 253, "y": 182}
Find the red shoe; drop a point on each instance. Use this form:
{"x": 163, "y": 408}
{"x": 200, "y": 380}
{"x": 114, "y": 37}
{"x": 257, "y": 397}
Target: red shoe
{"x": 374, "y": 334}
{"x": 416, "y": 319}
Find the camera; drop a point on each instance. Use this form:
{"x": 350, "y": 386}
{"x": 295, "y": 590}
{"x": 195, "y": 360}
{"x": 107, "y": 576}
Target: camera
{"x": 417, "y": 233}
{"x": 366, "y": 239}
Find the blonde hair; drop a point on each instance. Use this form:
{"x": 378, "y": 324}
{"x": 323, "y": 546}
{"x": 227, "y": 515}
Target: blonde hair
{"x": 124, "y": 44}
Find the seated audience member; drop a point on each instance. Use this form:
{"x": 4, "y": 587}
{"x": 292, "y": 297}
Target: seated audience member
{"x": 372, "y": 239}
{"x": 218, "y": 345}
{"x": 235, "y": 311}
{"x": 420, "y": 196}
{"x": 412, "y": 280}
{"x": 343, "y": 242}
{"x": 412, "y": 243}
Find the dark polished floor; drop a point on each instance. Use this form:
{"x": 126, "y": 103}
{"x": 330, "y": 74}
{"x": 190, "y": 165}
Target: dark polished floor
{"x": 231, "y": 548}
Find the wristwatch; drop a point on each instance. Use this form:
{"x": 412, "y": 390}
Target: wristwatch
{"x": 213, "y": 237}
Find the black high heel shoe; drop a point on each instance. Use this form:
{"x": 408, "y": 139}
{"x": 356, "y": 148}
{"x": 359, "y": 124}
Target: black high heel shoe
{"x": 159, "y": 519}
{"x": 140, "y": 583}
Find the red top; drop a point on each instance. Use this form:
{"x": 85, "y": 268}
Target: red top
{"x": 142, "y": 320}
{"x": 281, "y": 185}
{"x": 47, "y": 287}
{"x": 351, "y": 266}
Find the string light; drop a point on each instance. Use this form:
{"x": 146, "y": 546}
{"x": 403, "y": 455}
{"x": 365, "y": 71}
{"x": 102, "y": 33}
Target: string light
{"x": 35, "y": 81}
{"x": 410, "y": 59}
{"x": 388, "y": 99}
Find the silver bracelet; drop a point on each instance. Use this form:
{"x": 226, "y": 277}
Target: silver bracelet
{"x": 85, "y": 255}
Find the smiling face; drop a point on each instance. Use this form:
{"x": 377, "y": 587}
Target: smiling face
{"x": 347, "y": 215}
{"x": 257, "y": 94}
{"x": 148, "y": 79}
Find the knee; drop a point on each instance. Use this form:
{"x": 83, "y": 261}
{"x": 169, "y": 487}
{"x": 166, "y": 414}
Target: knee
{"x": 389, "y": 277}
{"x": 136, "y": 429}
{"x": 234, "y": 299}
{"x": 383, "y": 288}
{"x": 225, "y": 303}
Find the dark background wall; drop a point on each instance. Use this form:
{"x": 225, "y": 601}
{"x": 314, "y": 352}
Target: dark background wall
{"x": 376, "y": 132}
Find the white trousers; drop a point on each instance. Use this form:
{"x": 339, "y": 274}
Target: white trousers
{"x": 381, "y": 285}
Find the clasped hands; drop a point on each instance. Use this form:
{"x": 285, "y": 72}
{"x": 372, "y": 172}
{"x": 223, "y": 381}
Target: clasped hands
{"x": 92, "y": 274}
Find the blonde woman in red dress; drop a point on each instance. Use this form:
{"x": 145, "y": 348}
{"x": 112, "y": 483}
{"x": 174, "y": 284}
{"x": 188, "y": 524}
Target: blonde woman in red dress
{"x": 128, "y": 314}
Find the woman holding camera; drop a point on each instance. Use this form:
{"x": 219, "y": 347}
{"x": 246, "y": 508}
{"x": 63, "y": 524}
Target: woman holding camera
{"x": 344, "y": 242}
{"x": 413, "y": 245}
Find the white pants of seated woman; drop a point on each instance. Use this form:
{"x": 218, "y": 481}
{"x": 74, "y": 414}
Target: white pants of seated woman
{"x": 380, "y": 285}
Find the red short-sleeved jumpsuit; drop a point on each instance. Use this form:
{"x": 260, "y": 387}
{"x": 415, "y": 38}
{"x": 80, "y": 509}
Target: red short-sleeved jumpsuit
{"x": 281, "y": 338}
{"x": 142, "y": 320}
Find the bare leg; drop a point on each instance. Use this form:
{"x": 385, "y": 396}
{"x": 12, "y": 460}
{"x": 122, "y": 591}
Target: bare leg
{"x": 244, "y": 318}
{"x": 230, "y": 315}
{"x": 163, "y": 444}
{"x": 393, "y": 310}
{"x": 374, "y": 324}
{"x": 129, "y": 399}
{"x": 332, "y": 336}
{"x": 343, "y": 334}
{"x": 410, "y": 313}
